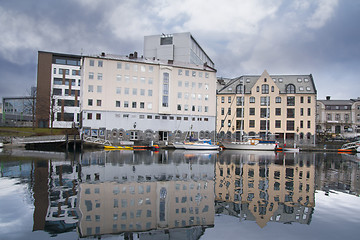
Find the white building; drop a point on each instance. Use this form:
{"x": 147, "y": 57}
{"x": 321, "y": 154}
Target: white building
{"x": 179, "y": 47}
{"x": 131, "y": 98}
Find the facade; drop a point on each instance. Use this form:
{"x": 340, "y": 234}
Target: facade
{"x": 18, "y": 111}
{"x": 58, "y": 90}
{"x": 338, "y": 118}
{"x": 179, "y": 47}
{"x": 131, "y": 98}
{"x": 274, "y": 107}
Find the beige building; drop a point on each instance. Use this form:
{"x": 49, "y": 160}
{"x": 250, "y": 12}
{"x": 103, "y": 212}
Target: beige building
{"x": 271, "y": 106}
{"x": 338, "y": 118}
{"x": 133, "y": 98}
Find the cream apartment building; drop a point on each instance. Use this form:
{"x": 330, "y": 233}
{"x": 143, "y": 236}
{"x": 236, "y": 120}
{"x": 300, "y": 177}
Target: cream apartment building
{"x": 134, "y": 98}
{"x": 276, "y": 106}
{"x": 338, "y": 118}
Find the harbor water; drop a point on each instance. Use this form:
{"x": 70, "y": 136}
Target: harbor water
{"x": 179, "y": 194}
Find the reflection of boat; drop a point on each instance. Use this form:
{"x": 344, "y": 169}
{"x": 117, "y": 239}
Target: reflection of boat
{"x": 251, "y": 144}
{"x": 350, "y": 147}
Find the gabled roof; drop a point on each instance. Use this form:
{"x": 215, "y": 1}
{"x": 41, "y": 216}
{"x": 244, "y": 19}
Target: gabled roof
{"x": 302, "y": 83}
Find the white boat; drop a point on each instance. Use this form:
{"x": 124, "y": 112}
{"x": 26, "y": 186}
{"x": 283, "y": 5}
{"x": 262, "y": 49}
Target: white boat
{"x": 200, "y": 145}
{"x": 196, "y": 145}
{"x": 251, "y": 144}
{"x": 291, "y": 149}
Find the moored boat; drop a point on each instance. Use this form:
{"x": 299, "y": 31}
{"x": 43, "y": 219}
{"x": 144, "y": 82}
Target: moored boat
{"x": 251, "y": 144}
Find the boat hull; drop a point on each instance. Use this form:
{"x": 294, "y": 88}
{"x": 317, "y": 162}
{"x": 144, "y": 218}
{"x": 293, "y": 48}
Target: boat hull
{"x": 249, "y": 146}
{"x": 200, "y": 147}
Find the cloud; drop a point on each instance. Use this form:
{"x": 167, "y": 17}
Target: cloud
{"x": 323, "y": 12}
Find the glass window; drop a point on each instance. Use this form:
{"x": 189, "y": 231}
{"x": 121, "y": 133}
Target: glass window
{"x": 99, "y": 89}
{"x": 99, "y": 76}
{"x": 151, "y": 68}
{"x": 90, "y": 88}
{"x": 119, "y": 65}
{"x": 100, "y": 63}
{"x": 91, "y": 62}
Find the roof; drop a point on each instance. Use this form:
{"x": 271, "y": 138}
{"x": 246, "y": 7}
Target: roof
{"x": 336, "y": 102}
{"x": 302, "y": 83}
{"x": 143, "y": 60}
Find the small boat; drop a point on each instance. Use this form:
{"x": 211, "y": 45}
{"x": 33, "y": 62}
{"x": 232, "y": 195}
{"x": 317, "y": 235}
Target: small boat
{"x": 291, "y": 149}
{"x": 107, "y": 147}
{"x": 251, "y": 144}
{"x": 350, "y": 147}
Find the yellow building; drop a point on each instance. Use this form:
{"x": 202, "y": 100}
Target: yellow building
{"x": 275, "y": 106}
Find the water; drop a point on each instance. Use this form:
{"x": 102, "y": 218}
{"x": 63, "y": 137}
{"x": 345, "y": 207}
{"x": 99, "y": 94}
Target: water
{"x": 179, "y": 195}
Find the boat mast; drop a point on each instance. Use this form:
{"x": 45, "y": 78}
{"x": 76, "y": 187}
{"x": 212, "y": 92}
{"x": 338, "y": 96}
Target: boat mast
{"x": 242, "y": 108}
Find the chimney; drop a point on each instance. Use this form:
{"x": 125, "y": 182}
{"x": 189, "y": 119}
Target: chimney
{"x": 103, "y": 54}
{"x": 131, "y": 56}
{"x": 327, "y": 97}
{"x": 170, "y": 61}
{"x": 135, "y": 54}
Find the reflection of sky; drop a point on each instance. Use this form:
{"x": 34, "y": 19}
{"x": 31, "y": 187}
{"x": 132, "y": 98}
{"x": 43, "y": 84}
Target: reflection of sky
{"x": 336, "y": 216}
{"x": 16, "y": 213}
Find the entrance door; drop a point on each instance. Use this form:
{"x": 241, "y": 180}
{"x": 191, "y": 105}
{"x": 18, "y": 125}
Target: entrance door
{"x": 164, "y": 136}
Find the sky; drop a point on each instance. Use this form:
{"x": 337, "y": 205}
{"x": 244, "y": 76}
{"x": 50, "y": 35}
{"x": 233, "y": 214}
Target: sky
{"x": 318, "y": 37}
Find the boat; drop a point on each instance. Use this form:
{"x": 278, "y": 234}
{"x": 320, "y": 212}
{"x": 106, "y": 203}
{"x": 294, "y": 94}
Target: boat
{"x": 106, "y": 147}
{"x": 295, "y": 149}
{"x": 251, "y": 144}
{"x": 200, "y": 145}
{"x": 350, "y": 147}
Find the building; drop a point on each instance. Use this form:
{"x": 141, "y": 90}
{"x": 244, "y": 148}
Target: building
{"x": 179, "y": 47}
{"x": 58, "y": 90}
{"x": 338, "y": 118}
{"x": 135, "y": 98}
{"x": 18, "y": 111}
{"x": 275, "y": 107}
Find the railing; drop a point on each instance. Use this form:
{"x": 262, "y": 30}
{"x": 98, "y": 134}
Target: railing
{"x": 97, "y": 140}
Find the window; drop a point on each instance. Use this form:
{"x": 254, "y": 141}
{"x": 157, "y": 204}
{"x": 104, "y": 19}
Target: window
{"x": 309, "y": 111}
{"x": 118, "y": 90}
{"x": 252, "y": 100}
{"x": 301, "y": 124}
{"x": 290, "y": 125}
{"x": 89, "y": 116}
{"x": 179, "y": 95}
{"x": 151, "y": 68}
{"x": 240, "y": 89}
{"x": 165, "y": 97}
{"x": 142, "y": 92}
{"x": 251, "y": 111}
{"x": 291, "y": 101}
{"x": 278, "y": 99}
{"x": 186, "y": 72}
{"x": 251, "y": 123}
{"x": 118, "y": 77}
{"x": 98, "y": 103}
{"x": 222, "y": 99}
{"x": 149, "y": 92}
{"x": 309, "y": 99}
{"x": 264, "y": 124}
{"x": 239, "y": 101}
{"x": 265, "y": 101}
{"x": 99, "y": 89}
{"x": 142, "y": 105}
{"x": 301, "y": 99}
{"x": 229, "y": 111}
{"x": 309, "y": 124}
{"x": 290, "y": 113}
{"x": 277, "y": 123}
{"x": 134, "y": 91}
{"x": 99, "y": 76}
{"x": 265, "y": 89}
{"x": 57, "y": 91}
{"x": 126, "y": 91}
{"x": 278, "y": 111}
{"x": 126, "y": 104}
{"x": 100, "y": 63}
{"x": 179, "y": 107}
{"x": 98, "y": 116}
{"x": 119, "y": 65}
{"x": 90, "y": 88}
{"x": 133, "y": 104}
{"x": 180, "y": 72}
{"x": 117, "y": 104}
{"x": 264, "y": 112}
{"x": 301, "y": 112}
{"x": 229, "y": 99}
{"x": 166, "y": 40}
{"x": 290, "y": 88}
{"x": 91, "y": 62}
{"x": 257, "y": 89}
{"x": 91, "y": 75}
{"x": 90, "y": 102}
{"x": 239, "y": 112}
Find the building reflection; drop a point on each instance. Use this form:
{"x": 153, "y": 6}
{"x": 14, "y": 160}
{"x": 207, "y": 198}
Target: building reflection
{"x": 264, "y": 186}
{"x": 150, "y": 194}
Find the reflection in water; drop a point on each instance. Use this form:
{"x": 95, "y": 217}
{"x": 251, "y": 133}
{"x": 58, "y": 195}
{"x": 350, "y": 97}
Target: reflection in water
{"x": 126, "y": 192}
{"x": 174, "y": 194}
{"x": 263, "y": 186}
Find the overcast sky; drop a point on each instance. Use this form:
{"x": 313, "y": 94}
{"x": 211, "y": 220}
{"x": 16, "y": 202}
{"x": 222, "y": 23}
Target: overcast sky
{"x": 320, "y": 37}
